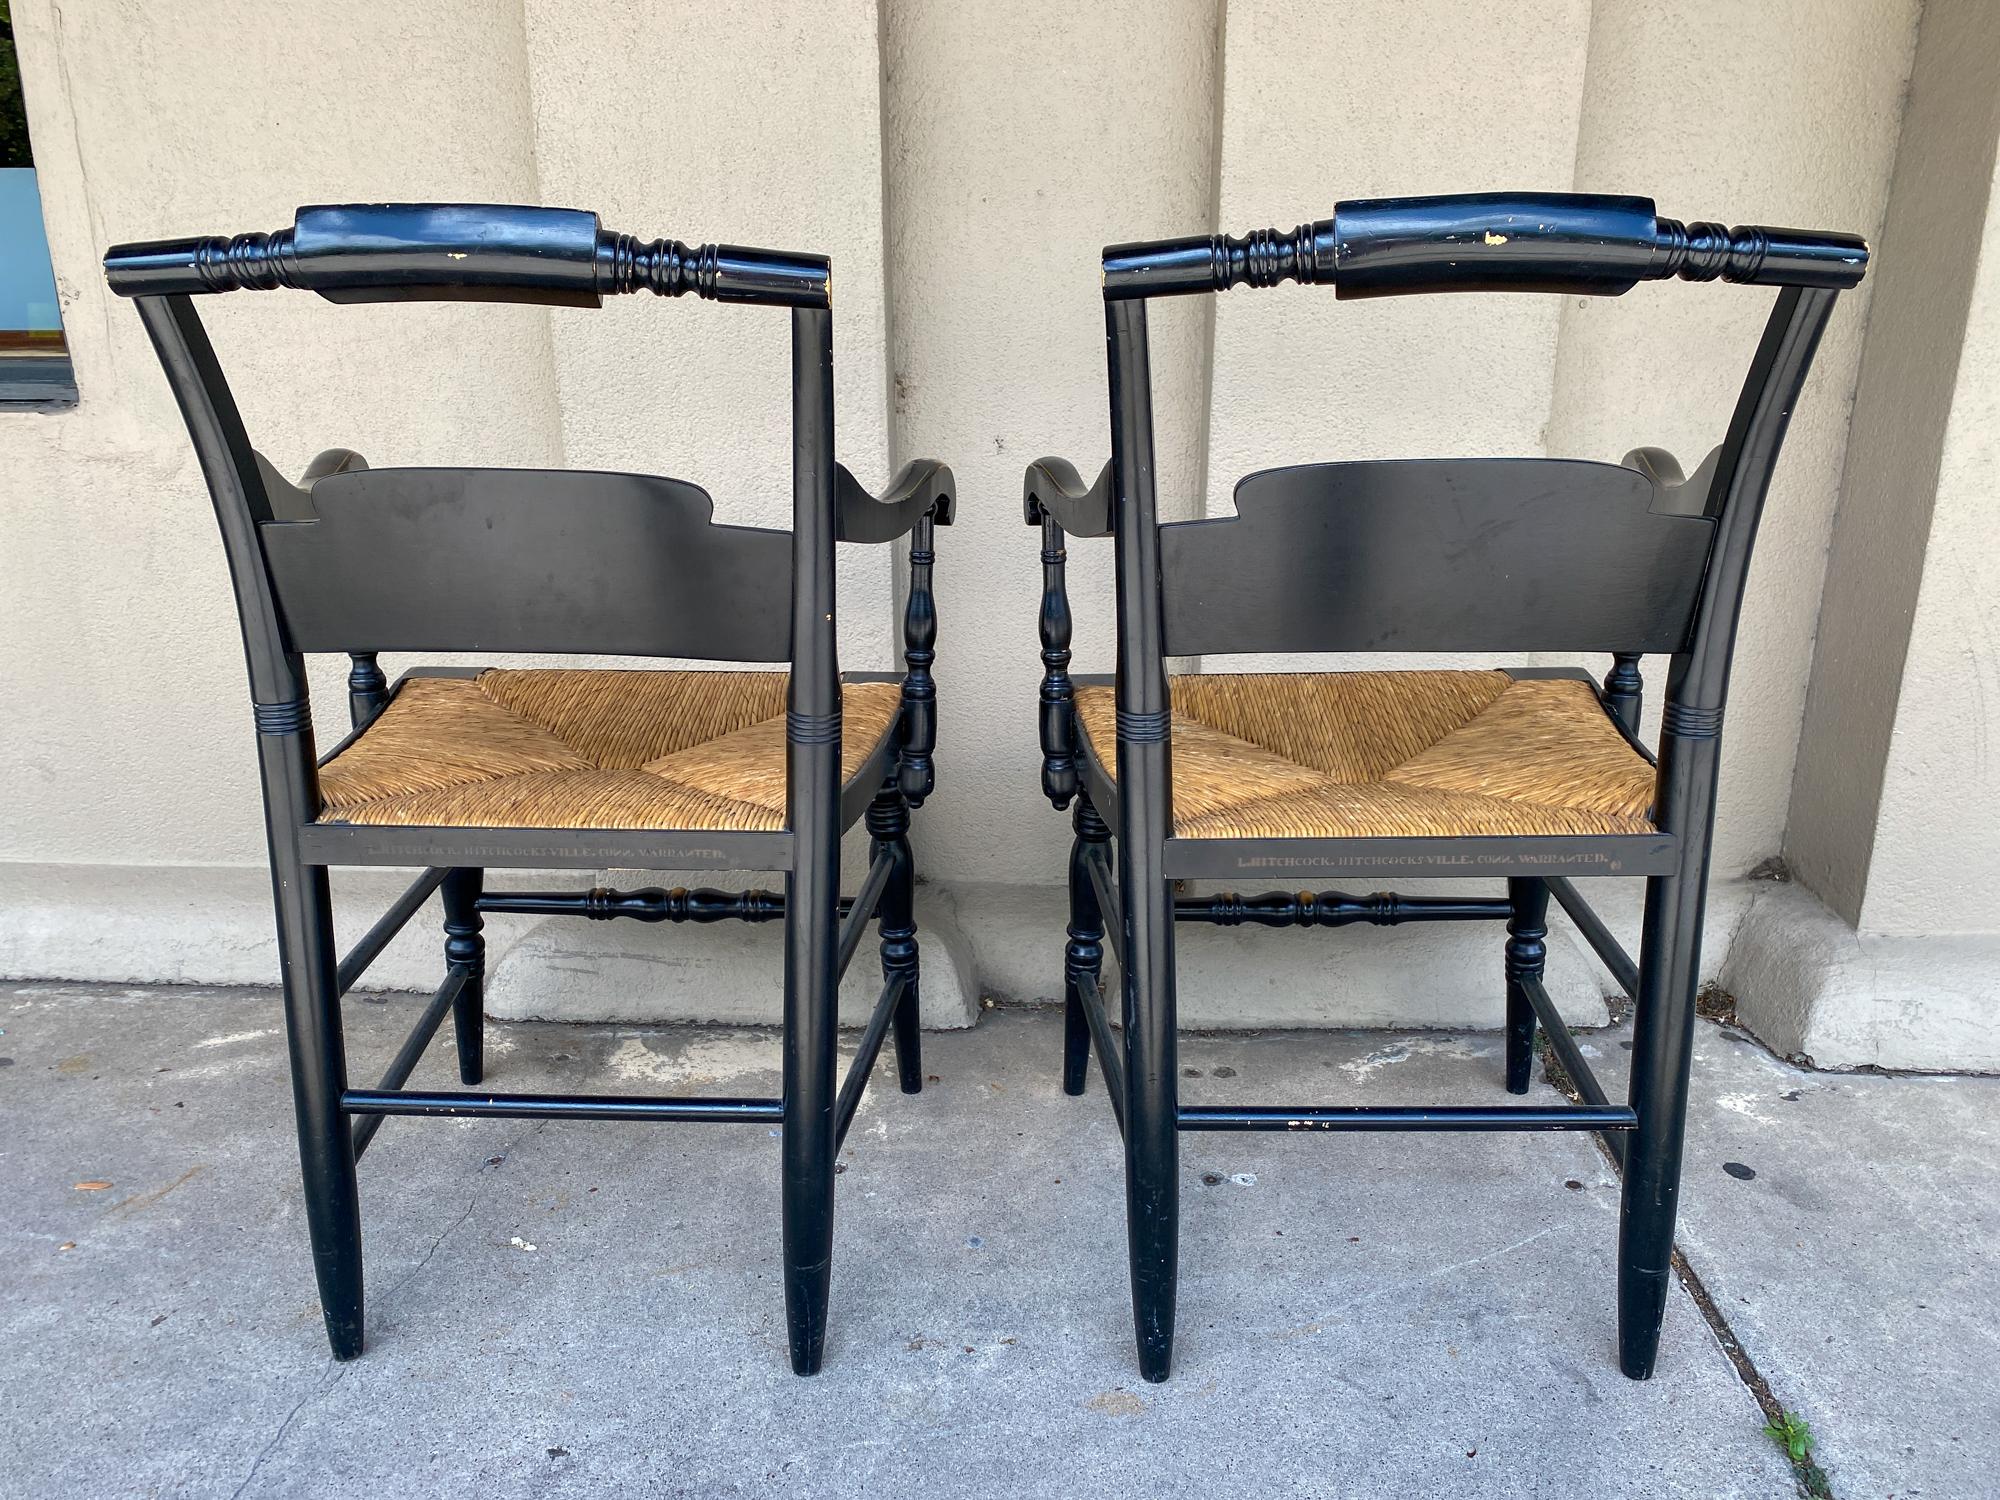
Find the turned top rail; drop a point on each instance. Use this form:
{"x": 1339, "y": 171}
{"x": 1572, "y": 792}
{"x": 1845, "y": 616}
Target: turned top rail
{"x": 1591, "y": 244}
{"x": 460, "y": 252}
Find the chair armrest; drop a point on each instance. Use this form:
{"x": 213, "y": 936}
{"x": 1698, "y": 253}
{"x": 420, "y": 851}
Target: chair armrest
{"x": 922, "y": 488}
{"x": 1052, "y": 490}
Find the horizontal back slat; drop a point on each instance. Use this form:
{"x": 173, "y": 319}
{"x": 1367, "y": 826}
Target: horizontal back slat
{"x": 1436, "y": 555}
{"x": 527, "y": 560}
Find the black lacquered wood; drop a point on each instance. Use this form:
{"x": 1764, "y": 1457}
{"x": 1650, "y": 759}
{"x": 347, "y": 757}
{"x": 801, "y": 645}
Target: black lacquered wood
{"x": 540, "y": 560}
{"x": 1333, "y": 909}
{"x": 1055, "y": 722}
{"x": 1422, "y": 858}
{"x": 561, "y": 1107}
{"x": 922, "y": 490}
{"x": 896, "y": 925}
{"x": 1436, "y": 555}
{"x": 1083, "y": 958}
{"x": 1527, "y": 957}
{"x": 700, "y": 904}
{"x": 405, "y": 252}
{"x": 1217, "y": 262}
{"x": 916, "y": 742}
{"x": 465, "y": 958}
{"x": 1144, "y": 912}
{"x": 1339, "y": 1117}
{"x": 812, "y": 886}
{"x": 1624, "y": 690}
{"x": 1585, "y": 244}
{"x": 1053, "y": 491}
{"x": 544, "y": 848}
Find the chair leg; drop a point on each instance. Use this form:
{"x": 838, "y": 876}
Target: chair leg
{"x": 1152, "y": 1132}
{"x": 1662, "y": 1049}
{"x": 1083, "y": 960}
{"x": 319, "y": 1076}
{"x": 465, "y": 953}
{"x": 896, "y": 922}
{"x": 1527, "y": 955}
{"x": 807, "y": 1149}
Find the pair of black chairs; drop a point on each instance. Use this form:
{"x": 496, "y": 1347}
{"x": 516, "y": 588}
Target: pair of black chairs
{"x": 1535, "y": 774}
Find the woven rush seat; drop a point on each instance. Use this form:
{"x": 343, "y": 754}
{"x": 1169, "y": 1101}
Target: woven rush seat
{"x": 1389, "y": 754}
{"x": 586, "y": 748}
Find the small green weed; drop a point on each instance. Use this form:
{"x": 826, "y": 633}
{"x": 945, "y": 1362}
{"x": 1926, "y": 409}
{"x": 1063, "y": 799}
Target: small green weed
{"x": 1790, "y": 1432}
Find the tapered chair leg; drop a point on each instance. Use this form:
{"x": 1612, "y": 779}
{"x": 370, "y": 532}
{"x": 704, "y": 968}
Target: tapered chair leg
{"x": 1152, "y": 1130}
{"x": 1083, "y": 959}
{"x": 465, "y": 953}
{"x": 1527, "y": 955}
{"x": 896, "y": 922}
{"x": 808, "y": 1145}
{"x": 319, "y": 1077}
{"x": 1662, "y": 1049}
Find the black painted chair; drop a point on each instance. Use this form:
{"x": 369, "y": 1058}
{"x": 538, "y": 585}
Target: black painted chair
{"x": 462, "y": 771}
{"x": 1534, "y": 774}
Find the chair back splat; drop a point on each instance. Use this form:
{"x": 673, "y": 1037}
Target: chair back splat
{"x": 456, "y": 772}
{"x": 1533, "y": 774}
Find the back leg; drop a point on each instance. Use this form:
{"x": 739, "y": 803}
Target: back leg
{"x": 319, "y": 1077}
{"x": 1662, "y": 1051}
{"x": 808, "y": 1137}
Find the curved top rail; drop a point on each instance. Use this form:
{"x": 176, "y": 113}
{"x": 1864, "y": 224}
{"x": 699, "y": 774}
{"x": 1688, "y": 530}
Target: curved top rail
{"x": 410, "y": 252}
{"x": 1585, "y": 243}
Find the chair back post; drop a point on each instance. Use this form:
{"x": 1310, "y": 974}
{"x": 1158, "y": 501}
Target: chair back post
{"x": 1698, "y": 676}
{"x": 279, "y": 700}
{"x": 235, "y": 487}
{"x": 1145, "y": 817}
{"x": 813, "y": 699}
{"x": 1690, "y": 737}
{"x": 812, "y": 885}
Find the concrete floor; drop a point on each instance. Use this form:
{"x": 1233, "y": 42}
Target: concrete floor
{"x": 572, "y": 1309}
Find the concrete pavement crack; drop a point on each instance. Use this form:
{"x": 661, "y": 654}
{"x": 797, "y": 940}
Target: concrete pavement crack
{"x": 332, "y": 1377}
{"x": 471, "y": 1203}
{"x": 436, "y": 1245}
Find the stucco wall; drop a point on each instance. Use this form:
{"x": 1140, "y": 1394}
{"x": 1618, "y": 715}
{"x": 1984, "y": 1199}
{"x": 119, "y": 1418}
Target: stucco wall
{"x": 1916, "y": 510}
{"x": 1022, "y": 139}
{"x": 963, "y": 165}
{"x": 1936, "y": 864}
